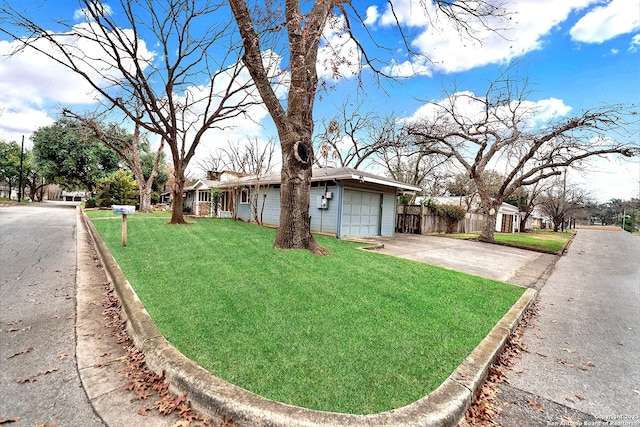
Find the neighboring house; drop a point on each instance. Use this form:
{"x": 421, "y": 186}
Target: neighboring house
{"x": 536, "y": 220}
{"x": 344, "y": 202}
{"x": 508, "y": 219}
{"x": 4, "y": 191}
{"x": 75, "y": 196}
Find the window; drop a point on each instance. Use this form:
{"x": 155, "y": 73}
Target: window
{"x": 244, "y": 197}
{"x": 204, "y": 196}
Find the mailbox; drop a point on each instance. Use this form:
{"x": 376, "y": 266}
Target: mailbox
{"x": 123, "y": 209}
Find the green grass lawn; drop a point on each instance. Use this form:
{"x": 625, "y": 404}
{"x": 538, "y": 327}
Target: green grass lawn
{"x": 539, "y": 240}
{"x": 353, "y": 332}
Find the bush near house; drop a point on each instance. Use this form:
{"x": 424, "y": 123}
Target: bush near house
{"x": 451, "y": 214}
{"x": 119, "y": 188}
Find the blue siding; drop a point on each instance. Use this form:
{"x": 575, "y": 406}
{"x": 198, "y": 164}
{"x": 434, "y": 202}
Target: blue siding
{"x": 339, "y": 214}
{"x": 324, "y": 220}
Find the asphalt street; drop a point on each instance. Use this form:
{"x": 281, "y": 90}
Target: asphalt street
{"x": 582, "y": 362}
{"x": 38, "y": 375}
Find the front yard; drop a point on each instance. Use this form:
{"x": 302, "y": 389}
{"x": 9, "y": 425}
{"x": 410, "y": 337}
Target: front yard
{"x": 353, "y": 332}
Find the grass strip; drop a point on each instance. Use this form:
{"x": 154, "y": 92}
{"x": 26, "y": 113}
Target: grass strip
{"x": 353, "y": 332}
{"x": 541, "y": 241}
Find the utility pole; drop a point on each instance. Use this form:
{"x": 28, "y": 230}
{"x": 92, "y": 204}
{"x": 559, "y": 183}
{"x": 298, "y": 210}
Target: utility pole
{"x": 20, "y": 179}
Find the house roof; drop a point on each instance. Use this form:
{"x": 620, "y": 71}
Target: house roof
{"x": 319, "y": 174}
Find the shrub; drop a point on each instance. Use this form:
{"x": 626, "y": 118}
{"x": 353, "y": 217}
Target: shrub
{"x": 119, "y": 188}
{"x": 404, "y": 199}
{"x": 91, "y": 203}
{"x": 451, "y": 214}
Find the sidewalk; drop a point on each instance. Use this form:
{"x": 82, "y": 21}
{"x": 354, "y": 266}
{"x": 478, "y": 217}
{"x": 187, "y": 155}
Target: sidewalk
{"x": 583, "y": 362}
{"x": 99, "y": 354}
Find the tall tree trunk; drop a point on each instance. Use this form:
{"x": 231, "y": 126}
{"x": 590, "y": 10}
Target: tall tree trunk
{"x": 145, "y": 198}
{"x": 488, "y": 228}
{"x": 295, "y": 123}
{"x": 490, "y": 210}
{"x": 523, "y": 221}
{"x": 177, "y": 196}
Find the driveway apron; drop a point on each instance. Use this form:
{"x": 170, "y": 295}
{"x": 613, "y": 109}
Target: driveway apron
{"x": 497, "y": 262}
{"x": 38, "y": 375}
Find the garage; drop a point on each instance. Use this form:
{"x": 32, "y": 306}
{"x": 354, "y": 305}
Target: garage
{"x": 361, "y": 211}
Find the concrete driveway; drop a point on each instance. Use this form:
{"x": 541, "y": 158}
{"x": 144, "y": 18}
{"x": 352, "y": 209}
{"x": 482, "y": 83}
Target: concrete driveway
{"x": 503, "y": 263}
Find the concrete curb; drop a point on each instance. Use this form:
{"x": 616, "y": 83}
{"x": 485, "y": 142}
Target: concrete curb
{"x": 446, "y": 406}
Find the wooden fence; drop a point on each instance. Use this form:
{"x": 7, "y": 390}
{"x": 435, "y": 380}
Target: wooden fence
{"x": 417, "y": 219}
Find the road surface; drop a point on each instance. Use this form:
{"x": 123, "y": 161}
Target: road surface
{"x": 38, "y": 375}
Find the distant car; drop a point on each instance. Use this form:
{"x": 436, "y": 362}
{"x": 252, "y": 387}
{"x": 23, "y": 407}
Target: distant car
{"x": 597, "y": 222}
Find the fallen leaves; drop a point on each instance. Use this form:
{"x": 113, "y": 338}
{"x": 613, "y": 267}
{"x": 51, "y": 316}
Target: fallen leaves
{"x": 63, "y": 356}
{"x": 143, "y": 382}
{"x": 586, "y": 364}
{"x": 484, "y": 408}
{"x": 564, "y": 362}
{"x": 34, "y": 378}
{"x": 25, "y": 351}
{"x": 535, "y": 406}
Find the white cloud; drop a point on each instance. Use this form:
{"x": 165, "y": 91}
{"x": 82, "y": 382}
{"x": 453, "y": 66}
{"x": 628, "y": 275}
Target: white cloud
{"x": 449, "y": 51}
{"x": 635, "y": 43}
{"x": 372, "y": 15}
{"x": 84, "y": 15}
{"x": 33, "y": 84}
{"x": 605, "y": 22}
{"x": 418, "y": 67}
{"x": 338, "y": 55}
{"x": 607, "y": 178}
{"x": 470, "y": 108}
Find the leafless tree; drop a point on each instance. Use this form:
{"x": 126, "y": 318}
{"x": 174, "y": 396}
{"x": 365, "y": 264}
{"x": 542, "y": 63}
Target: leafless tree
{"x": 252, "y": 157}
{"x": 560, "y": 201}
{"x": 257, "y": 159}
{"x": 503, "y": 133}
{"x": 296, "y": 27}
{"x": 192, "y": 83}
{"x": 128, "y": 148}
{"x": 351, "y": 136}
{"x": 527, "y": 198}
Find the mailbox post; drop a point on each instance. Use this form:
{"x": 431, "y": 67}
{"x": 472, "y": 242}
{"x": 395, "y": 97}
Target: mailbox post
{"x": 124, "y": 210}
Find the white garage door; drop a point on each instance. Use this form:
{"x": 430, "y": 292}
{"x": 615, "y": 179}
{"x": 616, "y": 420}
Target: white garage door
{"x": 360, "y": 214}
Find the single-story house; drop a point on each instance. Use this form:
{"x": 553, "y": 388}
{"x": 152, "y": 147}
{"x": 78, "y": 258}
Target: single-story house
{"x": 344, "y": 202}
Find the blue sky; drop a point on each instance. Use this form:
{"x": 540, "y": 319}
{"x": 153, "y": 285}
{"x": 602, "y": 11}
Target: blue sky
{"x": 577, "y": 54}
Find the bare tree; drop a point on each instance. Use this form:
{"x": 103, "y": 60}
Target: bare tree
{"x": 527, "y": 198}
{"x": 128, "y": 148}
{"x": 252, "y": 157}
{"x": 193, "y": 83}
{"x": 560, "y": 201}
{"x": 503, "y": 134}
{"x": 351, "y": 136}
{"x": 257, "y": 159}
{"x": 287, "y": 26}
